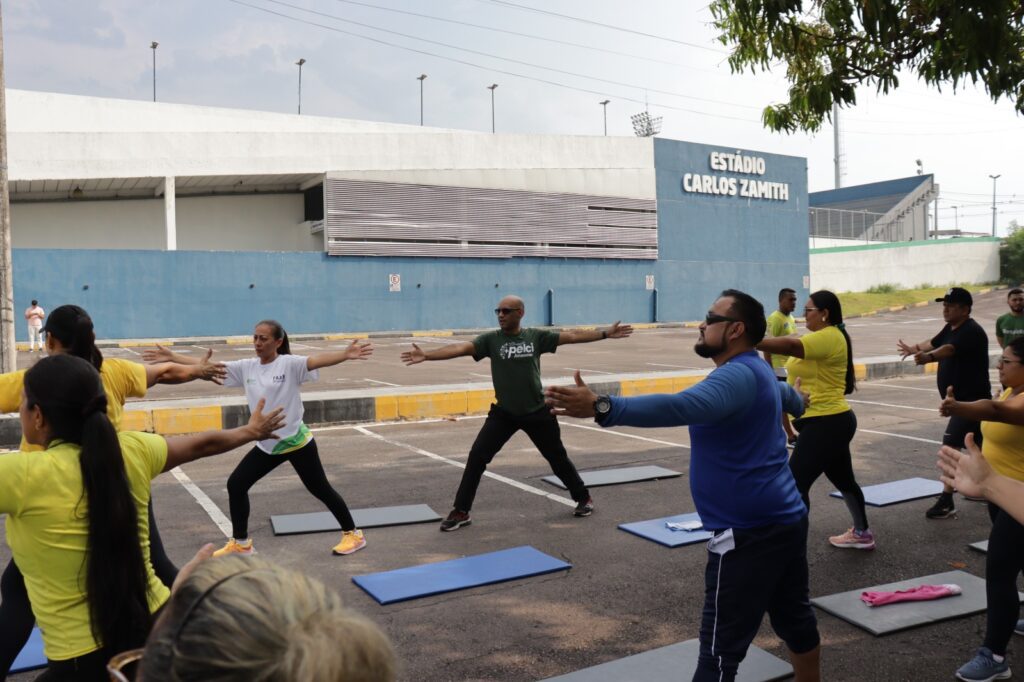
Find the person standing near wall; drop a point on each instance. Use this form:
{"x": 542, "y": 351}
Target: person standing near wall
{"x": 741, "y": 486}
{"x": 961, "y": 349}
{"x": 1011, "y": 325}
{"x": 782, "y": 323}
{"x": 34, "y": 316}
{"x": 519, "y": 400}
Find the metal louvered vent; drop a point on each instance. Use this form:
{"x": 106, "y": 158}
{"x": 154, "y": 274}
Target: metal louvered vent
{"x": 394, "y": 219}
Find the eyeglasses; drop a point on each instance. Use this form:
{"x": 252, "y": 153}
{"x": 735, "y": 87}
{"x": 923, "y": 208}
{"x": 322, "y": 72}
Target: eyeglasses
{"x": 811, "y": 310}
{"x": 1008, "y": 361}
{"x": 505, "y": 311}
{"x": 116, "y": 666}
{"x": 712, "y": 318}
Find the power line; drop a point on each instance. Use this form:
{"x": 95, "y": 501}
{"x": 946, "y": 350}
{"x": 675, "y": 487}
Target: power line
{"x": 509, "y": 59}
{"x": 614, "y": 28}
{"x": 600, "y": 93}
{"x": 515, "y": 33}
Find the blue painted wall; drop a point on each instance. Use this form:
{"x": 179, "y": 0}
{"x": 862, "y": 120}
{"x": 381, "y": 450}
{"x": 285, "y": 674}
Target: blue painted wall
{"x": 706, "y": 243}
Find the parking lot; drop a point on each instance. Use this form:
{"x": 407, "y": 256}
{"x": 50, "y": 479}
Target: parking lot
{"x": 624, "y": 594}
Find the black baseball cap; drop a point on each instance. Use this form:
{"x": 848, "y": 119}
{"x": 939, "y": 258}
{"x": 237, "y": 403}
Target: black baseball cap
{"x": 956, "y": 295}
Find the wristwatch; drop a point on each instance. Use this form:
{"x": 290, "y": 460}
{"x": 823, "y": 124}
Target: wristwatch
{"x": 602, "y": 408}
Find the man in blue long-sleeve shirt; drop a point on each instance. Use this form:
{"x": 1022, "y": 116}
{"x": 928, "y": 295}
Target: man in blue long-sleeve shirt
{"x": 741, "y": 485}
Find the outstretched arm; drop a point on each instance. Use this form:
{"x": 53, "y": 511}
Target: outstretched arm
{"x": 616, "y": 331}
{"x": 164, "y": 354}
{"x": 180, "y": 373}
{"x": 357, "y": 350}
{"x": 1009, "y": 411}
{"x": 261, "y": 426}
{"x": 452, "y": 350}
{"x": 782, "y": 345}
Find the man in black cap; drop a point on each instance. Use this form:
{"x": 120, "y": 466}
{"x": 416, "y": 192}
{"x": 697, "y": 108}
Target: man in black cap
{"x": 961, "y": 349}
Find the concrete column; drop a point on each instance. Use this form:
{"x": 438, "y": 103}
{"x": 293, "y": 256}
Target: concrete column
{"x": 170, "y": 221}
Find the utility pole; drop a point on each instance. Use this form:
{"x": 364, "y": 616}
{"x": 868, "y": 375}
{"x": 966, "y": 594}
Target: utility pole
{"x": 492, "y": 88}
{"x": 8, "y": 359}
{"x": 604, "y": 105}
{"x": 835, "y": 141}
{"x": 994, "y": 178}
{"x": 153, "y": 45}
{"x": 299, "y": 64}
{"x": 422, "y": 77}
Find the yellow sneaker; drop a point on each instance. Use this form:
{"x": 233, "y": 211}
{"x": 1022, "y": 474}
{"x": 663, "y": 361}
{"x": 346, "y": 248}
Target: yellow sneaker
{"x": 233, "y": 546}
{"x": 351, "y": 541}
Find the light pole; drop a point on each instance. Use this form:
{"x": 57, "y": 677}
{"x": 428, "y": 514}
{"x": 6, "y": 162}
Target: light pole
{"x": 422, "y": 77}
{"x": 299, "y": 64}
{"x": 492, "y": 88}
{"x": 153, "y": 45}
{"x": 604, "y": 105}
{"x": 956, "y": 219}
{"x": 994, "y": 178}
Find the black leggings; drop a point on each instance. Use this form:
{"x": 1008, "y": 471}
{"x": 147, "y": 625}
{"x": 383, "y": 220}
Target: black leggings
{"x": 16, "y": 618}
{"x": 257, "y": 464}
{"x": 542, "y": 428}
{"x": 823, "y": 447}
{"x": 1004, "y": 561}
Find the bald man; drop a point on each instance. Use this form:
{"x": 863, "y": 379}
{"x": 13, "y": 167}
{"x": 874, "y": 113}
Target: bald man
{"x": 519, "y": 400}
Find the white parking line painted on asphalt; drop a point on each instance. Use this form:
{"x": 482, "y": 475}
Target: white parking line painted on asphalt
{"x": 900, "y": 435}
{"x": 902, "y": 388}
{"x": 208, "y": 505}
{"x": 382, "y": 383}
{"x": 935, "y": 410}
{"x": 584, "y": 369}
{"x": 508, "y": 481}
{"x": 661, "y": 364}
{"x": 626, "y": 435}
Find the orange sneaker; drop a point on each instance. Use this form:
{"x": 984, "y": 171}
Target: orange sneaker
{"x": 233, "y": 546}
{"x": 351, "y": 541}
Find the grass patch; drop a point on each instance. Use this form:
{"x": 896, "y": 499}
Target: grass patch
{"x": 886, "y": 295}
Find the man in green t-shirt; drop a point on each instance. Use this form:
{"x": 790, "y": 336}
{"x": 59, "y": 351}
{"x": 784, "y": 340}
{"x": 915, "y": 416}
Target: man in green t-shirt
{"x": 519, "y": 400}
{"x": 782, "y": 323}
{"x": 1011, "y": 325}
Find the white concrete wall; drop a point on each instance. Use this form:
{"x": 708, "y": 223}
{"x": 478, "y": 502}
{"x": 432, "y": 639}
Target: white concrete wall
{"x": 906, "y": 264}
{"x": 122, "y": 224}
{"x": 218, "y": 223}
{"x": 244, "y": 223}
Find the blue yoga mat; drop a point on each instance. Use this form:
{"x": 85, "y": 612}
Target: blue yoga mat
{"x": 458, "y": 574}
{"x": 31, "y": 656}
{"x": 656, "y": 530}
{"x": 884, "y": 494}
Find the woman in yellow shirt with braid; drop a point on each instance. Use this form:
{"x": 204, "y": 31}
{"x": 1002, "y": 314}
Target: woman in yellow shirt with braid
{"x": 69, "y": 330}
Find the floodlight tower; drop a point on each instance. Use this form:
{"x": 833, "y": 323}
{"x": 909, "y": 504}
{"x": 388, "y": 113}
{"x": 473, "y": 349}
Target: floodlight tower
{"x": 645, "y": 125}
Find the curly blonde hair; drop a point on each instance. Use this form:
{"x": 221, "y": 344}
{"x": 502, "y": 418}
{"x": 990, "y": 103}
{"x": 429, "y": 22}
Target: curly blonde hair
{"x": 245, "y": 619}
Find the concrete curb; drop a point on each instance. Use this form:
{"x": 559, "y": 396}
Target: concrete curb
{"x": 176, "y": 417}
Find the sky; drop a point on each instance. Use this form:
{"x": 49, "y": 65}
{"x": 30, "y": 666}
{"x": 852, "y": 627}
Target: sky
{"x": 363, "y": 59}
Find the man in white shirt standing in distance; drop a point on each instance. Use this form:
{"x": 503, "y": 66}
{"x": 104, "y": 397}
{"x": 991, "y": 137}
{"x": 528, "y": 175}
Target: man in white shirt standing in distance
{"x": 34, "y": 315}
{"x": 782, "y": 323}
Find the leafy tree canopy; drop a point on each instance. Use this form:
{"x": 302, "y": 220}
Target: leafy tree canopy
{"x": 832, "y": 46}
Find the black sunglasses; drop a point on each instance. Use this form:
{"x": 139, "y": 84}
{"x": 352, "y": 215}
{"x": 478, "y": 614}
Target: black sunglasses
{"x": 505, "y": 311}
{"x": 712, "y": 318}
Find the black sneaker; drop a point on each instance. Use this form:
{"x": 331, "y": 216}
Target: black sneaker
{"x": 584, "y": 508}
{"x": 456, "y": 520}
{"x": 942, "y": 509}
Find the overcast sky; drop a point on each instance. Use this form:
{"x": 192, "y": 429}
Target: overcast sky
{"x": 229, "y": 53}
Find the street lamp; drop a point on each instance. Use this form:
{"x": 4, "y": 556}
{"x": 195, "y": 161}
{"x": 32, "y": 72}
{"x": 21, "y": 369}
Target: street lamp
{"x": 604, "y": 105}
{"x": 994, "y": 178}
{"x": 492, "y": 89}
{"x": 153, "y": 45}
{"x": 422, "y": 77}
{"x": 299, "y": 64}
{"x": 956, "y": 218}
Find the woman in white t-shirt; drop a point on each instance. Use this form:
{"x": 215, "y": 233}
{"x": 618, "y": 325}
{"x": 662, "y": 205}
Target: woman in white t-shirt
{"x": 275, "y": 375}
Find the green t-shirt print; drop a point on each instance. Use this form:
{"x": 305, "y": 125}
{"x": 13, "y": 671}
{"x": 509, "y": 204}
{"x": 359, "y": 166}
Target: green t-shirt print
{"x": 515, "y": 366}
{"x": 1009, "y": 327}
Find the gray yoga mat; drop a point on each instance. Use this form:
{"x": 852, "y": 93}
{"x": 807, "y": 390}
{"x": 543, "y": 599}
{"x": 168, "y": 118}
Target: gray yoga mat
{"x": 894, "y": 492}
{"x": 883, "y": 620}
{"x": 980, "y": 546}
{"x": 677, "y": 662}
{"x": 593, "y": 479}
{"x": 320, "y": 522}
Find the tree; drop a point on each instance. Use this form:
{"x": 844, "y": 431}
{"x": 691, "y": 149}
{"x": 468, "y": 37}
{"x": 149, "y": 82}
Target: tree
{"x": 832, "y": 46}
{"x": 1011, "y": 258}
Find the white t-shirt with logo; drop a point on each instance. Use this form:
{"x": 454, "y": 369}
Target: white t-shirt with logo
{"x": 278, "y": 383}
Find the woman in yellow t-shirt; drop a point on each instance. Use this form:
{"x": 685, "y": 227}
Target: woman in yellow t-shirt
{"x": 1002, "y": 429}
{"x": 76, "y": 514}
{"x": 70, "y": 331}
{"x": 823, "y": 360}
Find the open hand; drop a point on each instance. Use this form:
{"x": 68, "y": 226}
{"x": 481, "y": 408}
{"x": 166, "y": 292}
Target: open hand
{"x": 965, "y": 471}
{"x": 619, "y": 331}
{"x": 212, "y": 371}
{"x": 160, "y": 354}
{"x": 573, "y": 401}
{"x": 414, "y": 356}
{"x": 358, "y": 350}
{"x": 263, "y": 424}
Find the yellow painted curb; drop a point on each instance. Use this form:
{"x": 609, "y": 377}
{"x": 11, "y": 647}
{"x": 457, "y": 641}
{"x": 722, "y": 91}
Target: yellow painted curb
{"x": 137, "y": 420}
{"x": 683, "y": 383}
{"x": 386, "y": 408}
{"x": 691, "y": 325}
{"x": 870, "y": 313}
{"x": 340, "y": 337}
{"x": 435, "y": 333}
{"x": 921, "y": 304}
{"x": 860, "y": 372}
{"x": 985, "y": 291}
{"x": 479, "y": 402}
{"x": 237, "y": 340}
{"x": 897, "y": 308}
{"x": 645, "y": 386}
{"x": 137, "y": 344}
{"x": 170, "y": 421}
{"x": 427, "y": 405}
{"x": 931, "y": 368}
{"x": 645, "y": 325}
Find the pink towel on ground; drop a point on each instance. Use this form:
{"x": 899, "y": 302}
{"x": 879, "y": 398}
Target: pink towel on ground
{"x": 919, "y": 593}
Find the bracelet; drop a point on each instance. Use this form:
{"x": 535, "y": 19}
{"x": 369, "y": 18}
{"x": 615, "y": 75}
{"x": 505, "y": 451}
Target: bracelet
{"x": 604, "y": 334}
